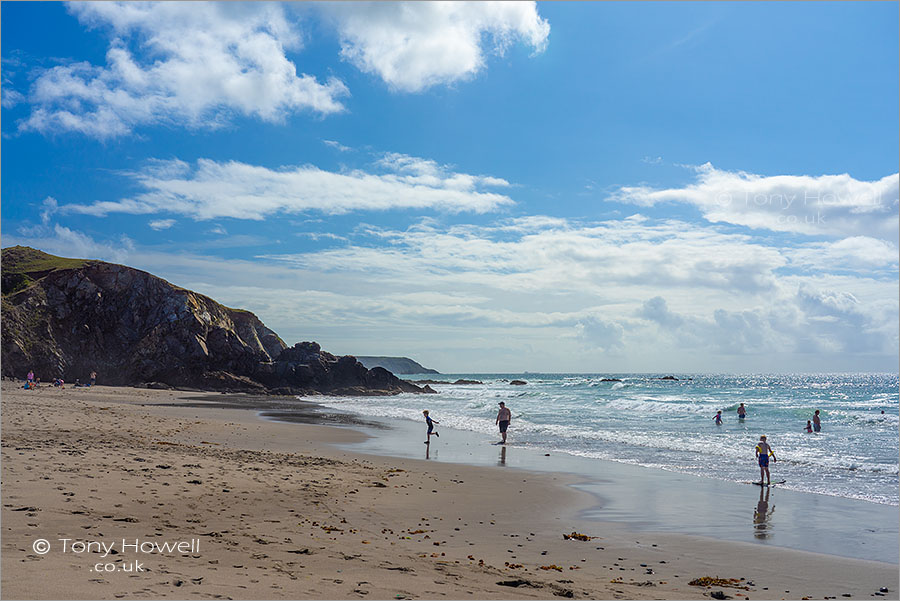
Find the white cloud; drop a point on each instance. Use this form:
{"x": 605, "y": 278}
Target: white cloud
{"x": 65, "y": 242}
{"x": 211, "y": 190}
{"x": 174, "y": 63}
{"x": 50, "y": 207}
{"x": 834, "y": 205}
{"x": 161, "y": 224}
{"x": 336, "y": 145}
{"x": 415, "y": 45}
{"x": 856, "y": 253}
{"x": 601, "y": 334}
{"x": 543, "y": 293}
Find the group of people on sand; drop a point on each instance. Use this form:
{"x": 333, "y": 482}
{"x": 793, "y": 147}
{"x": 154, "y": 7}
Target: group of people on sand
{"x": 32, "y": 382}
{"x": 504, "y": 416}
{"x": 763, "y": 450}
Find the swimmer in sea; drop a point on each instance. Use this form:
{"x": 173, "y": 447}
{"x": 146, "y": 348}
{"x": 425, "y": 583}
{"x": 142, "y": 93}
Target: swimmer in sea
{"x": 763, "y": 450}
{"x": 718, "y": 418}
{"x": 809, "y": 426}
{"x": 742, "y": 412}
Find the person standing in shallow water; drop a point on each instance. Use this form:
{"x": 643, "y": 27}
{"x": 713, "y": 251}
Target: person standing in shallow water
{"x": 504, "y": 416}
{"x": 742, "y": 412}
{"x": 817, "y": 423}
{"x": 763, "y": 450}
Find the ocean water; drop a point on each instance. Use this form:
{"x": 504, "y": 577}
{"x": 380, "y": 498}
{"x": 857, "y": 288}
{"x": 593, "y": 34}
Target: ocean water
{"x": 646, "y": 421}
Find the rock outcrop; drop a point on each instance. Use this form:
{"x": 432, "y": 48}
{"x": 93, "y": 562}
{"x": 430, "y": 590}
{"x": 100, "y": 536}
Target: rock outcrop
{"x": 397, "y": 365}
{"x": 68, "y": 317}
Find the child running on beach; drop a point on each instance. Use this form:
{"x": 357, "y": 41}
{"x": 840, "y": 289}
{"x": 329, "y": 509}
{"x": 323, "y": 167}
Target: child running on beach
{"x": 763, "y": 450}
{"x": 430, "y": 423}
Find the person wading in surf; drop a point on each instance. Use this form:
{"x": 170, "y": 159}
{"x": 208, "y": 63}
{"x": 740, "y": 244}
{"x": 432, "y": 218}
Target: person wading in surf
{"x": 763, "y": 450}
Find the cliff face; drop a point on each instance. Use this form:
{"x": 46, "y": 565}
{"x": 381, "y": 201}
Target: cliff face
{"x": 65, "y": 317}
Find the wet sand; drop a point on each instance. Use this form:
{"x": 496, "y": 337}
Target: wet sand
{"x": 273, "y": 510}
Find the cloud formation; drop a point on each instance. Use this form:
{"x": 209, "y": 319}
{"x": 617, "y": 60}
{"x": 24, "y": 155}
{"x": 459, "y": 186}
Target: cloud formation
{"x": 211, "y": 189}
{"x": 641, "y": 293}
{"x": 412, "y": 46}
{"x": 189, "y": 64}
{"x": 832, "y": 205}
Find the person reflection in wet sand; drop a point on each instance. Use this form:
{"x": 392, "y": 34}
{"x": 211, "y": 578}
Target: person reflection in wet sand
{"x": 428, "y": 451}
{"x": 762, "y": 514}
{"x": 502, "y": 460}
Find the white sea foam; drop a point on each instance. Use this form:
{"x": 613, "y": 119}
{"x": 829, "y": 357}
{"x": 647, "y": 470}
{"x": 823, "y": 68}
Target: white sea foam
{"x": 668, "y": 424}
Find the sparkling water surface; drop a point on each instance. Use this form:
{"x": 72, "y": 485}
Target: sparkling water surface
{"x": 668, "y": 424}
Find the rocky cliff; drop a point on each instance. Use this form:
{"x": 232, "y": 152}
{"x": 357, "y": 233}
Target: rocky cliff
{"x": 68, "y": 317}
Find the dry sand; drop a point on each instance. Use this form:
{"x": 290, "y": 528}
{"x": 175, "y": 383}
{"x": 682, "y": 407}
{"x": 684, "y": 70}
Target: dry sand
{"x": 276, "y": 512}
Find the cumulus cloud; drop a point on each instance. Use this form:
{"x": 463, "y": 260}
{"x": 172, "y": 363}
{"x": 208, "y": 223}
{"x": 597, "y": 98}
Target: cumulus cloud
{"x": 833, "y": 205}
{"x": 416, "y": 45}
{"x": 601, "y": 334}
{"x": 803, "y": 319}
{"x": 174, "y": 63}
{"x": 855, "y": 252}
{"x": 211, "y": 190}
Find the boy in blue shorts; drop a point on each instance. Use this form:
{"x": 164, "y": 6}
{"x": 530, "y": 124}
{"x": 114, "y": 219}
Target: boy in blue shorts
{"x": 430, "y": 423}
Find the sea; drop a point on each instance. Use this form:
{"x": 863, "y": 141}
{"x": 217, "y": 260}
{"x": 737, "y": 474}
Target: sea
{"x": 655, "y": 421}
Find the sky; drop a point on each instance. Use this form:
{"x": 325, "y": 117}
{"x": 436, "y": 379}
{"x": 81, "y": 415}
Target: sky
{"x": 485, "y": 186}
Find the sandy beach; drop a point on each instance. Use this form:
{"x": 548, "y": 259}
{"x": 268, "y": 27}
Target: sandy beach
{"x": 137, "y": 498}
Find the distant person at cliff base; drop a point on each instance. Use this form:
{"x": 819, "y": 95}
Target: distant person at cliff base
{"x": 718, "y": 418}
{"x": 504, "y": 416}
{"x": 817, "y": 424}
{"x": 430, "y": 423}
{"x": 742, "y": 413}
{"x": 93, "y": 378}
{"x": 763, "y": 450}
{"x": 30, "y": 377}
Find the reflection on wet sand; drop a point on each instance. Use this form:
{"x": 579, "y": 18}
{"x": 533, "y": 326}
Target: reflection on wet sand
{"x": 502, "y": 460}
{"x": 762, "y": 513}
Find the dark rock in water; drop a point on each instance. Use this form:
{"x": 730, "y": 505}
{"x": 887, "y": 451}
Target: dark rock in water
{"x": 518, "y": 383}
{"x": 69, "y": 317}
{"x": 668, "y": 378}
{"x": 429, "y": 389}
{"x": 456, "y": 383}
{"x": 610, "y": 380}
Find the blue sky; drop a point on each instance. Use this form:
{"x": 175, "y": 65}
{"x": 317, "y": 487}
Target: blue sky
{"x": 480, "y": 186}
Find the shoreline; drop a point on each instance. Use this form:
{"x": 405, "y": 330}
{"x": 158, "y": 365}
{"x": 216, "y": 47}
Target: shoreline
{"x": 281, "y": 513}
{"x": 644, "y": 497}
